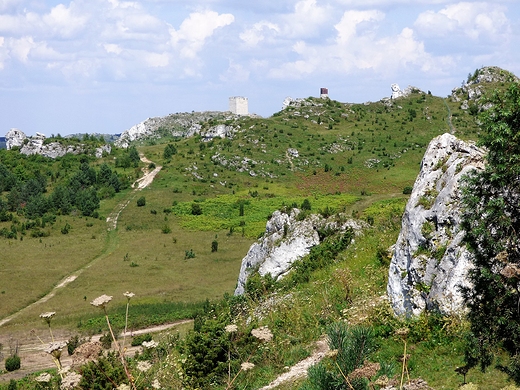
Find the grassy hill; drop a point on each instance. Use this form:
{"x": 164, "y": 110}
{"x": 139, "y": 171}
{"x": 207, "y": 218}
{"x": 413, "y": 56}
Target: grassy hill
{"x": 354, "y": 159}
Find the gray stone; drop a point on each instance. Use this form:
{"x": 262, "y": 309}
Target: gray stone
{"x": 14, "y": 137}
{"x": 285, "y": 240}
{"x": 429, "y": 263}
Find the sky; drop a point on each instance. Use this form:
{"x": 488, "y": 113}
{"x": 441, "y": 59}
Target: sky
{"x": 102, "y": 66}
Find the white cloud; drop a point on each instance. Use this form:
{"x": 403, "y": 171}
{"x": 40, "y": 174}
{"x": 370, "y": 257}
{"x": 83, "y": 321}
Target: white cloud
{"x": 473, "y": 20}
{"x": 112, "y": 48}
{"x": 306, "y": 19}
{"x": 196, "y": 29}
{"x": 156, "y": 60}
{"x": 347, "y": 27}
{"x": 357, "y": 47}
{"x": 66, "y": 21}
{"x": 235, "y": 73}
{"x": 3, "y": 53}
{"x": 252, "y": 36}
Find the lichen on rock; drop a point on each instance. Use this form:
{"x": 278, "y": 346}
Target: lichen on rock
{"x": 429, "y": 263}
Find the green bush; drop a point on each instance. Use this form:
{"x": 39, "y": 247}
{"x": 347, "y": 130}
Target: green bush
{"x": 407, "y": 190}
{"x": 141, "y": 201}
{"x": 12, "y": 363}
{"x": 196, "y": 209}
{"x": 139, "y": 339}
{"x": 73, "y": 343}
{"x": 106, "y": 341}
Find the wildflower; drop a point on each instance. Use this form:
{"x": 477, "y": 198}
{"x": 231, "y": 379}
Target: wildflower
{"x": 55, "y": 349}
{"x": 43, "y": 378}
{"x": 263, "y": 333}
{"x": 368, "y": 370}
{"x": 156, "y": 384}
{"x": 101, "y": 301}
{"x": 144, "y": 366}
{"x": 231, "y": 328}
{"x": 150, "y": 344}
{"x": 123, "y": 386}
{"x": 246, "y": 366}
{"x": 47, "y": 316}
{"x": 70, "y": 381}
{"x": 129, "y": 295}
{"x": 332, "y": 354}
{"x": 402, "y": 332}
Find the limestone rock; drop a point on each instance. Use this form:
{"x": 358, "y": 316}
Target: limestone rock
{"x": 37, "y": 145}
{"x": 472, "y": 91}
{"x": 285, "y": 240}
{"x": 429, "y": 262}
{"x": 103, "y": 149}
{"x": 14, "y": 137}
{"x": 398, "y": 92}
{"x": 178, "y": 125}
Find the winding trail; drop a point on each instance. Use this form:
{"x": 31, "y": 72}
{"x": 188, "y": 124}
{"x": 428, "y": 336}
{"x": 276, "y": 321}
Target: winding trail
{"x": 448, "y": 118}
{"x": 111, "y": 220}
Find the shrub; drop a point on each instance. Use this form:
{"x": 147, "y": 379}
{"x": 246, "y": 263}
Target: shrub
{"x": 141, "y": 201}
{"x": 106, "y": 341}
{"x": 139, "y": 339}
{"x": 189, "y": 254}
{"x": 12, "y": 363}
{"x": 196, "y": 209}
{"x": 407, "y": 190}
{"x": 73, "y": 343}
{"x": 214, "y": 246}
{"x": 65, "y": 229}
{"x": 166, "y": 229}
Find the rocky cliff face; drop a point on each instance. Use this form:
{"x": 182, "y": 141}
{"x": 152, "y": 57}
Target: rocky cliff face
{"x": 285, "y": 240}
{"x": 178, "y": 125}
{"x": 429, "y": 262}
{"x": 36, "y": 145}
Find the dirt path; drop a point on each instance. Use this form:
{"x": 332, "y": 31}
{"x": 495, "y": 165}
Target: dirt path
{"x": 143, "y": 182}
{"x": 111, "y": 220}
{"x": 34, "y": 358}
{"x": 299, "y": 370}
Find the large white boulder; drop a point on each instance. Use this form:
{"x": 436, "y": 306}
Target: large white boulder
{"x": 429, "y": 263}
{"x": 14, "y": 137}
{"x": 286, "y": 239}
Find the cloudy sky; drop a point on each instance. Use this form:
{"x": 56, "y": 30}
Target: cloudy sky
{"x": 105, "y": 65}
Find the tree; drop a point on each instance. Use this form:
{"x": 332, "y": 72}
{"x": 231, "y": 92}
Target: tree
{"x": 491, "y": 220}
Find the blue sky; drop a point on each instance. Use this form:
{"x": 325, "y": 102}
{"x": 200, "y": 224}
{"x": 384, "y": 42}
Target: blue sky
{"x": 104, "y": 65}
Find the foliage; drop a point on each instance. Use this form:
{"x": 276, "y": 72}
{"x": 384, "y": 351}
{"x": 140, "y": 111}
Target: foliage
{"x": 73, "y": 343}
{"x": 141, "y": 201}
{"x": 12, "y": 363}
{"x": 491, "y": 221}
{"x": 320, "y": 256}
{"x": 104, "y": 374}
{"x": 138, "y": 340}
{"x": 214, "y": 246}
{"x": 352, "y": 347}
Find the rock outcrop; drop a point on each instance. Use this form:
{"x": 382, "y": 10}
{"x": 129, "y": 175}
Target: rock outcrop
{"x": 473, "y": 90}
{"x": 398, "y": 92}
{"x": 14, "y": 137}
{"x": 37, "y": 145}
{"x": 286, "y": 239}
{"x": 429, "y": 263}
{"x": 178, "y": 125}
